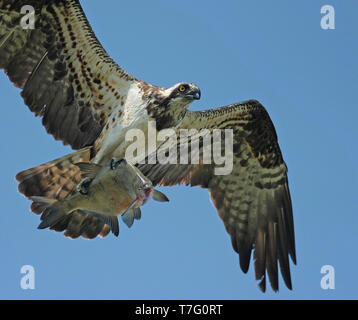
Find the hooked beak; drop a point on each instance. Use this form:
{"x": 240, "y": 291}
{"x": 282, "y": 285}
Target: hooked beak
{"x": 194, "y": 93}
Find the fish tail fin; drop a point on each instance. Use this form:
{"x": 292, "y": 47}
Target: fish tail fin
{"x": 52, "y": 209}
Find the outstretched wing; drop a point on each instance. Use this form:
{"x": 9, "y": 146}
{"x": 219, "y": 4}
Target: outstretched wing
{"x": 254, "y": 199}
{"x": 67, "y": 77}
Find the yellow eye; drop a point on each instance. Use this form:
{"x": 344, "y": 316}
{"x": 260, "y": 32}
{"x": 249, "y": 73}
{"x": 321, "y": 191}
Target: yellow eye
{"x": 182, "y": 88}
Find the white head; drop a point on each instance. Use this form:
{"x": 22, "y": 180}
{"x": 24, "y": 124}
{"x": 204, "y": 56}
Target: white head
{"x": 169, "y": 105}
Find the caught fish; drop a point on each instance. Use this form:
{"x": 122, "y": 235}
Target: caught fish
{"x": 105, "y": 192}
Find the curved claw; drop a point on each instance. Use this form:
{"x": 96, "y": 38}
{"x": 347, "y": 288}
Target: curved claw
{"x": 116, "y": 162}
{"x": 83, "y": 186}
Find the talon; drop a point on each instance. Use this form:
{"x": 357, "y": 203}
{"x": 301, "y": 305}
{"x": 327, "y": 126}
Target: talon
{"x": 83, "y": 186}
{"x": 116, "y": 162}
{"x": 112, "y": 164}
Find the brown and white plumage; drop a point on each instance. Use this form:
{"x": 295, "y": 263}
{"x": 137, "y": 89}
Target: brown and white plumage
{"x": 67, "y": 77}
{"x": 254, "y": 200}
{"x": 86, "y": 100}
{"x": 70, "y": 81}
{"x": 83, "y": 96}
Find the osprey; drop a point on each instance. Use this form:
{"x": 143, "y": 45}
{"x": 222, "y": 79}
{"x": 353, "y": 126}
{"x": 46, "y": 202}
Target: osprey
{"x": 86, "y": 100}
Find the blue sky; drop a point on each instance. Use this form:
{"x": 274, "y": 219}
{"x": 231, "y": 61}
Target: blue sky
{"x": 273, "y": 51}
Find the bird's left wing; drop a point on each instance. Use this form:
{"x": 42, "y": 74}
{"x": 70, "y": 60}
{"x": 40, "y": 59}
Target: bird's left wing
{"x": 254, "y": 199}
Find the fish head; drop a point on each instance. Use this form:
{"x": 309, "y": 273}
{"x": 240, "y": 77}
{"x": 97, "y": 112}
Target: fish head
{"x": 137, "y": 186}
{"x": 144, "y": 193}
{"x": 132, "y": 180}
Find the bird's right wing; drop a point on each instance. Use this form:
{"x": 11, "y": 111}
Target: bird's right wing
{"x": 66, "y": 76}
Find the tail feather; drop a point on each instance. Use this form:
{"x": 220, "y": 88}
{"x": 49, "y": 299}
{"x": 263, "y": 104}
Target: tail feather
{"x": 62, "y": 225}
{"x": 74, "y": 225}
{"x": 58, "y": 179}
{"x": 92, "y": 227}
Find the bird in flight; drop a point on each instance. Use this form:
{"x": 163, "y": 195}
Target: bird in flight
{"x": 89, "y": 102}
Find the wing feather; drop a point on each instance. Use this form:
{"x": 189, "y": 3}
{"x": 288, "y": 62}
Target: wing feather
{"x": 66, "y": 76}
{"x": 253, "y": 200}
